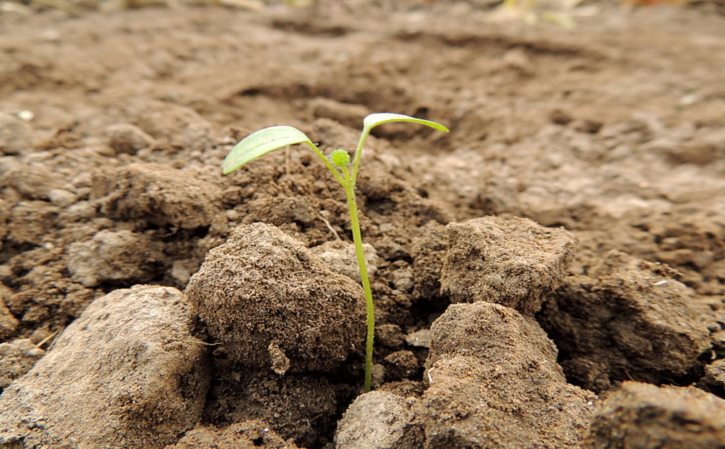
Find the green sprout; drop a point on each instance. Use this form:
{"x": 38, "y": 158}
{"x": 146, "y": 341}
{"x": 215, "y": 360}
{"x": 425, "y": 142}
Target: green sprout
{"x": 274, "y": 138}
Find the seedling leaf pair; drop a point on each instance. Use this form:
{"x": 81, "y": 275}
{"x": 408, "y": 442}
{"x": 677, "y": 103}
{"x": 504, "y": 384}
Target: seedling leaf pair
{"x": 274, "y": 138}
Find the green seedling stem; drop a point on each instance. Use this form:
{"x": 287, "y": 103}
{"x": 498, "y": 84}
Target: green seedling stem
{"x": 345, "y": 173}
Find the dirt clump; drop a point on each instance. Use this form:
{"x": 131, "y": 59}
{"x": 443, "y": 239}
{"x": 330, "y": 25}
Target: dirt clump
{"x": 125, "y": 138}
{"x": 282, "y": 316}
{"x": 4, "y": 215}
{"x": 244, "y": 435}
{"x": 643, "y": 416}
{"x": 708, "y": 149}
{"x": 494, "y": 382}
{"x": 349, "y": 115}
{"x": 509, "y": 261}
{"x": 625, "y": 319}
{"x": 15, "y": 135}
{"x": 265, "y": 296}
{"x": 45, "y": 299}
{"x": 157, "y": 195}
{"x": 8, "y": 322}
{"x": 115, "y": 256}
{"x": 428, "y": 252}
{"x": 401, "y": 365}
{"x": 174, "y": 125}
{"x": 379, "y": 419}
{"x": 490, "y": 332}
{"x": 29, "y": 221}
{"x": 694, "y": 244}
{"x": 126, "y": 374}
{"x": 33, "y": 181}
{"x": 389, "y": 335}
{"x": 290, "y": 213}
{"x": 17, "y": 357}
{"x": 714, "y": 378}
{"x": 301, "y": 407}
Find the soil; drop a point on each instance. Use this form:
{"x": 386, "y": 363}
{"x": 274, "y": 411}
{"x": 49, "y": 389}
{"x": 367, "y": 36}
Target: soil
{"x": 596, "y": 155}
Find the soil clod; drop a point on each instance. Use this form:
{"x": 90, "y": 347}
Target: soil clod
{"x": 642, "y": 416}
{"x": 15, "y": 135}
{"x": 494, "y": 382}
{"x": 625, "y": 319}
{"x": 120, "y": 256}
{"x": 125, "y": 138}
{"x": 8, "y": 322}
{"x": 17, "y": 357}
{"x": 126, "y": 374}
{"x": 714, "y": 378}
{"x": 244, "y": 435}
{"x": 157, "y": 195}
{"x": 301, "y": 407}
{"x": 509, "y": 261}
{"x": 378, "y": 420}
{"x": 263, "y": 286}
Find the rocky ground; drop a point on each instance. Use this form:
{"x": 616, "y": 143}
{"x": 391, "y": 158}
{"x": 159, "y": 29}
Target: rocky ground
{"x": 550, "y": 274}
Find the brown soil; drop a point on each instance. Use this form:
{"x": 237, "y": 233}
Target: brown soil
{"x": 113, "y": 125}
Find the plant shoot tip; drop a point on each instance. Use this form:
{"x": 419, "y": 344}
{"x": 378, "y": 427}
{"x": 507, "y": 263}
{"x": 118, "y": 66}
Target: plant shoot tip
{"x": 340, "y": 158}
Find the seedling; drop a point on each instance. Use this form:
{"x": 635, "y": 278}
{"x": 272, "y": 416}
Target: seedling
{"x": 345, "y": 173}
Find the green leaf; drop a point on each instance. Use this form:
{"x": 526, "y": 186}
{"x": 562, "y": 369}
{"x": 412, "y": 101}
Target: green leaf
{"x": 260, "y": 143}
{"x": 373, "y": 120}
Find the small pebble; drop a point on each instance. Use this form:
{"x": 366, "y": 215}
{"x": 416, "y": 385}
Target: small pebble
{"x": 232, "y": 215}
{"x": 419, "y": 339}
{"x": 62, "y": 198}
{"x": 26, "y": 115}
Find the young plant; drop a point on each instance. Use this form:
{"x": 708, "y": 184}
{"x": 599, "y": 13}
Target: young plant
{"x": 345, "y": 173}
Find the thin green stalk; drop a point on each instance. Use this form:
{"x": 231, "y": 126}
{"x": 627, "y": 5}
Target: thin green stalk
{"x": 348, "y": 184}
{"x": 346, "y": 179}
{"x": 358, "y": 154}
{"x": 360, "y": 254}
{"x": 362, "y": 264}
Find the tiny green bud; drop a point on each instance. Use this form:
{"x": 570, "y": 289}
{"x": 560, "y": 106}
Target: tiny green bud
{"x": 340, "y": 158}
